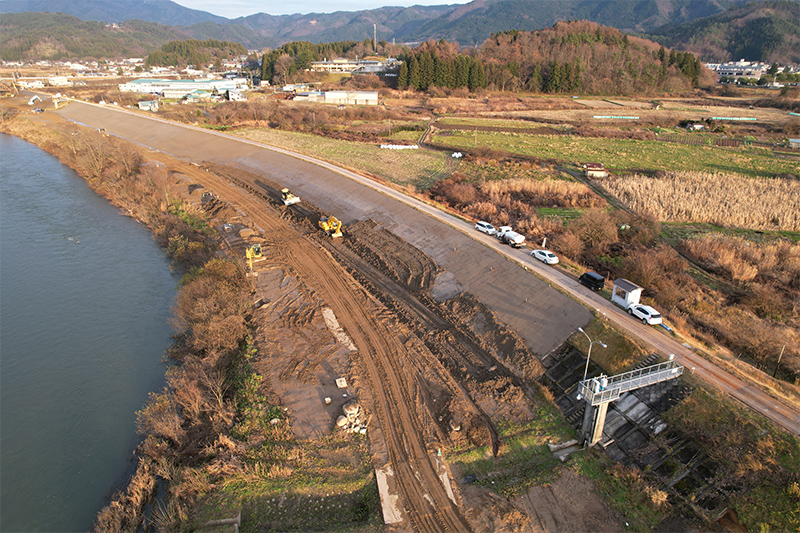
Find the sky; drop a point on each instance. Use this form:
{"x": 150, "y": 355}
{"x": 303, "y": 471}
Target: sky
{"x": 241, "y": 8}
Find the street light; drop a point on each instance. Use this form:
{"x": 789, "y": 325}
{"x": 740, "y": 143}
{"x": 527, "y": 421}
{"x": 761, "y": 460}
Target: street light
{"x": 589, "y": 355}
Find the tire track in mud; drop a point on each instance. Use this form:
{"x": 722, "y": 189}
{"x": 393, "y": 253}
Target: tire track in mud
{"x": 425, "y": 499}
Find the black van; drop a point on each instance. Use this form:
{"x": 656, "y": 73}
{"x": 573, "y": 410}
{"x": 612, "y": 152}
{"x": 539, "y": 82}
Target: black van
{"x": 593, "y": 280}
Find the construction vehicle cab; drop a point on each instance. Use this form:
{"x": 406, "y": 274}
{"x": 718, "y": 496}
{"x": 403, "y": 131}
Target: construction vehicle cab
{"x": 253, "y": 252}
{"x": 331, "y": 225}
{"x": 289, "y": 198}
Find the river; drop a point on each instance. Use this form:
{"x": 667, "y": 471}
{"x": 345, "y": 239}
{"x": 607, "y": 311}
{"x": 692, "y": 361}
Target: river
{"x": 85, "y": 297}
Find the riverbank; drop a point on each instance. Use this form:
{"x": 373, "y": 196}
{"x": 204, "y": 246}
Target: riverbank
{"x": 119, "y": 172}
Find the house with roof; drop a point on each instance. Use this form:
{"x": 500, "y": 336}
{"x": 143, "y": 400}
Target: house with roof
{"x": 595, "y": 170}
{"x": 149, "y": 105}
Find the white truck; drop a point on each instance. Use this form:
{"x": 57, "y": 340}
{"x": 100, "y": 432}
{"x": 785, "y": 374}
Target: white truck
{"x": 508, "y": 236}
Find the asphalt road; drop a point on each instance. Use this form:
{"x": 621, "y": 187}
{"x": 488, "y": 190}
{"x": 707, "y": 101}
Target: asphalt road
{"x": 529, "y": 304}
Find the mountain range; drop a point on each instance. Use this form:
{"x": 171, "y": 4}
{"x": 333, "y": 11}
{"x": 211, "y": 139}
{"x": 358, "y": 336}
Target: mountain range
{"x": 673, "y": 22}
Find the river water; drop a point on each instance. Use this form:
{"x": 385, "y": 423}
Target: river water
{"x": 85, "y": 295}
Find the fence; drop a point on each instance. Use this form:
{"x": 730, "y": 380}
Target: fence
{"x": 696, "y": 140}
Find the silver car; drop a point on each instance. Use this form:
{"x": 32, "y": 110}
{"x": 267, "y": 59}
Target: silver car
{"x": 485, "y": 227}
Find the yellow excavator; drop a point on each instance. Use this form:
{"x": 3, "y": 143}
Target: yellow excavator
{"x": 289, "y": 198}
{"x": 253, "y": 252}
{"x": 331, "y": 225}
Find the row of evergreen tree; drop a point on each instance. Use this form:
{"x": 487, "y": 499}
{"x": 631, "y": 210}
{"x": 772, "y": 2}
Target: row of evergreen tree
{"x": 421, "y": 70}
{"x": 508, "y": 61}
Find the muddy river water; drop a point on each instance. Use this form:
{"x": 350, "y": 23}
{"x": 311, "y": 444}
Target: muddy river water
{"x": 85, "y": 295}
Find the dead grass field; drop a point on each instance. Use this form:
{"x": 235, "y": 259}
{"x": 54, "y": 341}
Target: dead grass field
{"x": 729, "y": 200}
{"x": 403, "y": 167}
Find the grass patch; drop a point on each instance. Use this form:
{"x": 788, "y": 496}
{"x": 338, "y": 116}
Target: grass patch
{"x": 623, "y": 489}
{"x": 564, "y": 213}
{"x": 407, "y": 167}
{"x": 524, "y": 459}
{"x": 675, "y": 232}
{"x": 621, "y": 354}
{"x": 191, "y": 216}
{"x": 623, "y": 153}
{"x": 759, "y": 464}
{"x": 324, "y": 485}
{"x": 477, "y": 172}
{"x": 491, "y": 122}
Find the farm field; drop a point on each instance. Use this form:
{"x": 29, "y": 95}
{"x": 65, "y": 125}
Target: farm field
{"x": 402, "y": 167}
{"x": 622, "y": 154}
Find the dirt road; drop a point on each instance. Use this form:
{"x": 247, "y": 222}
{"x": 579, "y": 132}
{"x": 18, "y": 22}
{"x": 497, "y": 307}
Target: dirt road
{"x": 540, "y": 314}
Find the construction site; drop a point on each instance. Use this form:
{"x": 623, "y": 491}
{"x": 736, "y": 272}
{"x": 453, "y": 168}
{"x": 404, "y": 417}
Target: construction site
{"x": 425, "y": 346}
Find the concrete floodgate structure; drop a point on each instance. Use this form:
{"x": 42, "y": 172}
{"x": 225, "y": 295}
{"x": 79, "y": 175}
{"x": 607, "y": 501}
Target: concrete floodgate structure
{"x": 599, "y": 391}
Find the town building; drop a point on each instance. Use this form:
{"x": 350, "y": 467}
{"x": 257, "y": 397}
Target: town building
{"x": 739, "y": 69}
{"x": 339, "y": 97}
{"x": 370, "y": 66}
{"x": 180, "y": 88}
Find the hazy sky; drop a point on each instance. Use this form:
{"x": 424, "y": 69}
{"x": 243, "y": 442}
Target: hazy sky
{"x": 241, "y": 8}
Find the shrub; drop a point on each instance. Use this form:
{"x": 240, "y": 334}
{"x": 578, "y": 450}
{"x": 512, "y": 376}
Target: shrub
{"x": 596, "y": 229}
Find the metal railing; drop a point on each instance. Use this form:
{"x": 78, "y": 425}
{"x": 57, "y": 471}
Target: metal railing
{"x": 604, "y": 389}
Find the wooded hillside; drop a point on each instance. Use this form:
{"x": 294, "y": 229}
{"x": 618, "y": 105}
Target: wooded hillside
{"x": 36, "y": 36}
{"x": 194, "y": 52}
{"x": 766, "y": 31}
{"x": 586, "y": 57}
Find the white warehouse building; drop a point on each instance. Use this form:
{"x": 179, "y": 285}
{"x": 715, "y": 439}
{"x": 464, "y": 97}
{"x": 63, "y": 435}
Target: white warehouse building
{"x": 180, "y": 88}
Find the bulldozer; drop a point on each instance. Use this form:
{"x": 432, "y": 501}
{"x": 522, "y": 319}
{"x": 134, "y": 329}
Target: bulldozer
{"x": 331, "y": 225}
{"x": 289, "y": 198}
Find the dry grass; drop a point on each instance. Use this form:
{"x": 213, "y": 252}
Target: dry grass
{"x": 723, "y": 199}
{"x": 744, "y": 260}
{"x": 546, "y": 193}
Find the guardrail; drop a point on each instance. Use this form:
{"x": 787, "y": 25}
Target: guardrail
{"x": 603, "y": 389}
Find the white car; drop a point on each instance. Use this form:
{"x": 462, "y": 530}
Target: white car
{"x": 545, "y": 256}
{"x": 647, "y": 314}
{"x": 485, "y": 227}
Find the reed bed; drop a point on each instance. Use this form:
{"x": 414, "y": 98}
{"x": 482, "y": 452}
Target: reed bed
{"x": 729, "y": 200}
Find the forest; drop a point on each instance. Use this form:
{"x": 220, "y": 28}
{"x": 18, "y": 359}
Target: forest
{"x": 578, "y": 56}
{"x": 194, "y": 52}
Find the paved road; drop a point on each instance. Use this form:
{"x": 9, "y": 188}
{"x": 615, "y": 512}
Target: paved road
{"x": 544, "y": 316}
{"x": 529, "y": 304}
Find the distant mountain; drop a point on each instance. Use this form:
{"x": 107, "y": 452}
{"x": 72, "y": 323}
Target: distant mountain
{"x": 468, "y": 24}
{"x": 472, "y": 23}
{"x": 766, "y": 31}
{"x": 161, "y": 11}
{"x": 34, "y": 36}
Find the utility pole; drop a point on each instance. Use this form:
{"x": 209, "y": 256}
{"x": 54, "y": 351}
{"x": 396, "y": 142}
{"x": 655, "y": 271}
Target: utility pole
{"x": 375, "y": 37}
{"x": 778, "y": 362}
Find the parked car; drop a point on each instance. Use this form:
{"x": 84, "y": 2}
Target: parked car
{"x": 485, "y": 227}
{"x": 593, "y": 280}
{"x": 545, "y": 256}
{"x": 647, "y": 314}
